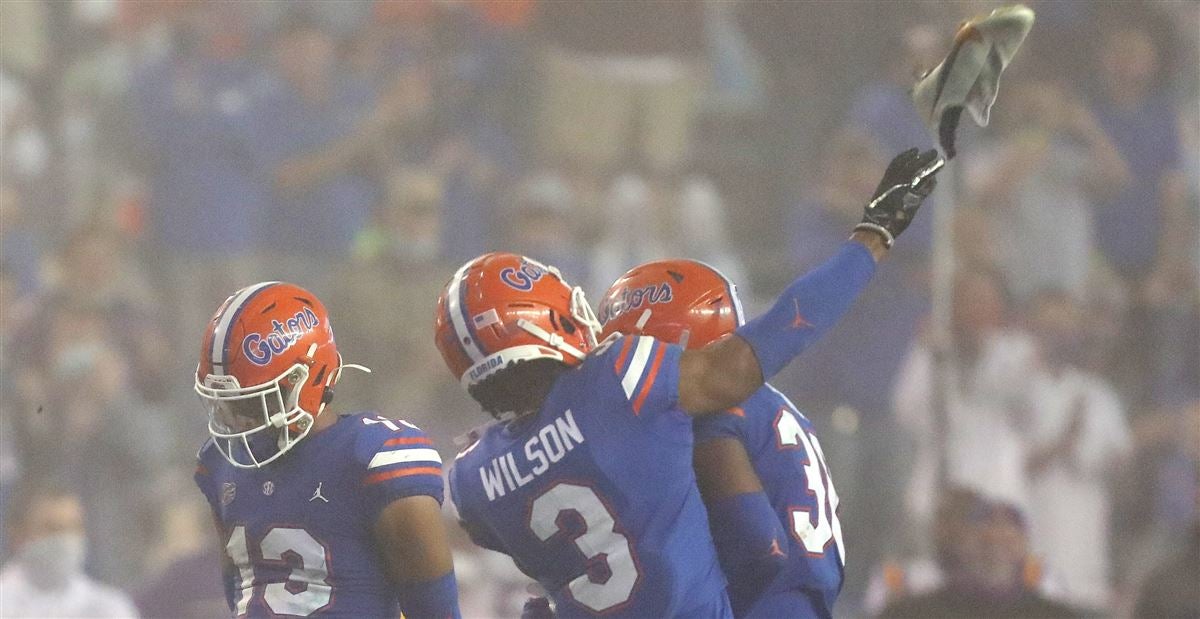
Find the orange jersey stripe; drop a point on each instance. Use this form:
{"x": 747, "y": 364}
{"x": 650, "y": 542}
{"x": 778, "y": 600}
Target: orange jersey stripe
{"x": 737, "y": 411}
{"x": 413, "y": 440}
{"x": 637, "y": 405}
{"x": 386, "y": 475}
{"x": 624, "y": 354}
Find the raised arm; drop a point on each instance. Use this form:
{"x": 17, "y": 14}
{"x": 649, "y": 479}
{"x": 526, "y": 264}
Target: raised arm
{"x": 722, "y": 374}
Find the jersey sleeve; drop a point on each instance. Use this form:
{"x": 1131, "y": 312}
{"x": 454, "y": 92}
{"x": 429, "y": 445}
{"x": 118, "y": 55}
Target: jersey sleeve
{"x": 203, "y": 475}
{"x": 647, "y": 371}
{"x": 398, "y": 461}
{"x": 481, "y": 536}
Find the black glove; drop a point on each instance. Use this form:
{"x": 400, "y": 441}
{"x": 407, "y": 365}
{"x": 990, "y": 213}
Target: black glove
{"x": 906, "y": 183}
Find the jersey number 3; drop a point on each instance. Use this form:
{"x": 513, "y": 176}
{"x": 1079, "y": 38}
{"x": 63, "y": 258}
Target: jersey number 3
{"x": 307, "y": 589}
{"x": 814, "y": 536}
{"x": 612, "y": 573}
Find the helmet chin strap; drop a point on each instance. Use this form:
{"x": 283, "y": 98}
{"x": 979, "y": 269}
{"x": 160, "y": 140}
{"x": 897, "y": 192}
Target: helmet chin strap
{"x": 553, "y": 339}
{"x": 334, "y": 377}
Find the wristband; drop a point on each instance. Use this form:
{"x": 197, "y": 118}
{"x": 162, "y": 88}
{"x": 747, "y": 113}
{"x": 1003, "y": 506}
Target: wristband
{"x": 888, "y": 239}
{"x": 431, "y": 599}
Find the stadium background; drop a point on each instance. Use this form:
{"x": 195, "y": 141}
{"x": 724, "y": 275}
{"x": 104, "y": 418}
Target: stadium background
{"x": 154, "y": 157}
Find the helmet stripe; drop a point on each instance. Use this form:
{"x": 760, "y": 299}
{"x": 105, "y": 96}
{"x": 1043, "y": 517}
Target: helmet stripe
{"x": 220, "y": 343}
{"x": 456, "y": 307}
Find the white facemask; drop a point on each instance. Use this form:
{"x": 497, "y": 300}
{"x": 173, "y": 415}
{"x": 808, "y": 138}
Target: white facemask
{"x": 51, "y": 562}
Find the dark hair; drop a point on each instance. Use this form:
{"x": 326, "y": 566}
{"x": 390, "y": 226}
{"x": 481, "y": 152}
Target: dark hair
{"x": 519, "y": 388}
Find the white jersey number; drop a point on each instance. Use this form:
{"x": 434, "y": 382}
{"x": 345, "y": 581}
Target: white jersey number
{"x": 307, "y": 589}
{"x": 599, "y": 540}
{"x": 814, "y": 536}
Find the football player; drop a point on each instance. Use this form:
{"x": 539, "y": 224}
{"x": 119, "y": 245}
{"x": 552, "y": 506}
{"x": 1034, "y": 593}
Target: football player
{"x": 587, "y": 482}
{"x": 763, "y": 442}
{"x": 319, "y": 514}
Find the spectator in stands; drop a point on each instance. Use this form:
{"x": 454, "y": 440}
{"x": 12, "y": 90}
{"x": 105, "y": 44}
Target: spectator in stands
{"x": 25, "y": 152}
{"x": 1037, "y": 180}
{"x": 84, "y": 423}
{"x": 703, "y": 226}
{"x": 1079, "y": 440}
{"x": 46, "y": 576}
{"x": 883, "y": 108}
{"x": 620, "y": 84}
{"x": 1143, "y": 230}
{"x": 186, "y": 551}
{"x": 313, "y": 136}
{"x": 988, "y": 572}
{"x": 396, "y": 264}
{"x": 1178, "y": 500}
{"x": 97, "y": 269}
{"x": 982, "y": 396}
{"x": 1170, "y": 589}
{"x": 21, "y": 244}
{"x": 407, "y": 227}
{"x": 895, "y": 580}
{"x": 630, "y": 232}
{"x": 543, "y": 221}
{"x": 207, "y": 211}
{"x": 1139, "y": 227}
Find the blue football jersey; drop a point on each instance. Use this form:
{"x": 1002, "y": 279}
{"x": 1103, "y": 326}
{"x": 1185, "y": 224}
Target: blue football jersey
{"x": 788, "y": 459}
{"x": 299, "y": 531}
{"x": 595, "y": 496}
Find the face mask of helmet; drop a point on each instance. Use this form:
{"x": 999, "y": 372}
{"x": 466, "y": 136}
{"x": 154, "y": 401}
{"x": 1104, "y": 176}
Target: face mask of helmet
{"x": 252, "y": 426}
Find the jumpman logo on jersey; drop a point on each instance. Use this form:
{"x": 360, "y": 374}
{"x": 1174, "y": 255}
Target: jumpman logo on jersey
{"x": 317, "y": 495}
{"x": 799, "y": 322}
{"x": 776, "y": 551}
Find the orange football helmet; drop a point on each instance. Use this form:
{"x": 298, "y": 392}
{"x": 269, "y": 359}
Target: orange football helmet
{"x": 268, "y": 363}
{"x": 683, "y": 302}
{"x": 503, "y": 308}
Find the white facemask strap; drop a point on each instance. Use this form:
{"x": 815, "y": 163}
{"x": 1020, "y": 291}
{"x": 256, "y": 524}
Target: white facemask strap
{"x": 582, "y": 312}
{"x": 554, "y": 340}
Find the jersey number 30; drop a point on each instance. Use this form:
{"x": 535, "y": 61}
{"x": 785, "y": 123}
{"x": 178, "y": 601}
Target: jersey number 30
{"x": 600, "y": 543}
{"x": 306, "y": 590}
{"x": 813, "y": 536}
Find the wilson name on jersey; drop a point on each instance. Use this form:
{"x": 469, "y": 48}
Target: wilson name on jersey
{"x": 594, "y": 496}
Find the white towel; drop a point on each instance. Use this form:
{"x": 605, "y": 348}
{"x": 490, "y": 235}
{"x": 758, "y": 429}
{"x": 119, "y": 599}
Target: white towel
{"x": 969, "y": 77}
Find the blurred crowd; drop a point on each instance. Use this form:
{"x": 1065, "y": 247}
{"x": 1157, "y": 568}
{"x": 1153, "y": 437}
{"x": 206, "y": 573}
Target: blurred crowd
{"x": 155, "y": 157}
